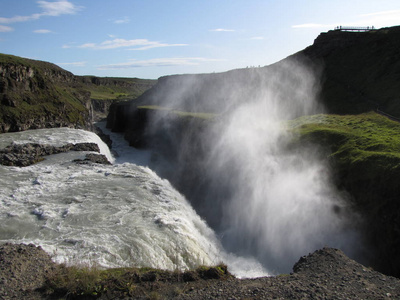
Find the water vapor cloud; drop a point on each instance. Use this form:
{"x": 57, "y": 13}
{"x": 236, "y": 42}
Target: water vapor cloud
{"x": 266, "y": 197}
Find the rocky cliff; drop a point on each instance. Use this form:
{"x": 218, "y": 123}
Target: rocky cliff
{"x": 36, "y": 94}
{"x": 358, "y": 72}
{"x": 27, "y": 272}
{"x": 361, "y": 70}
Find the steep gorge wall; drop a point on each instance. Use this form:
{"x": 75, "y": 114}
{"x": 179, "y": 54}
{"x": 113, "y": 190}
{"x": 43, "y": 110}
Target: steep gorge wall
{"x": 36, "y": 94}
{"x": 36, "y": 98}
{"x": 360, "y": 73}
{"x": 361, "y": 70}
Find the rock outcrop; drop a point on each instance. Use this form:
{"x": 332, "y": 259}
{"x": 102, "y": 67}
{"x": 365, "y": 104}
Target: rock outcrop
{"x": 27, "y": 272}
{"x": 22, "y": 155}
{"x": 359, "y": 72}
{"x": 36, "y": 94}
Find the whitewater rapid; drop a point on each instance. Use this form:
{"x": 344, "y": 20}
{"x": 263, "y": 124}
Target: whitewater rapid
{"x": 109, "y": 215}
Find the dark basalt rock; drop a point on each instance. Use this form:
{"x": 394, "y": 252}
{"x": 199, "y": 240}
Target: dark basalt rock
{"x": 22, "y": 155}
{"x": 93, "y": 158}
{"x": 26, "y": 272}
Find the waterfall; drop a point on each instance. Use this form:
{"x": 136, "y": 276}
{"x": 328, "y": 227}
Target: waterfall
{"x": 264, "y": 198}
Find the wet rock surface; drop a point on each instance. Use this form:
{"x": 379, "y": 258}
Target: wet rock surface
{"x": 22, "y": 155}
{"x": 325, "y": 274}
{"x": 94, "y": 158}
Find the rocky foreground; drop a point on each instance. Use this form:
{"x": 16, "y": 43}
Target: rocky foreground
{"x": 325, "y": 274}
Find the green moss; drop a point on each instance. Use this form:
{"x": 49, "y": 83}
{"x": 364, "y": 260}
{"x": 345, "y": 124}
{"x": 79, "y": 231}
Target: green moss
{"x": 82, "y": 282}
{"x": 364, "y": 150}
{"x": 36, "y": 64}
{"x": 49, "y": 93}
{"x": 357, "y": 135}
{"x": 184, "y": 114}
{"x": 110, "y": 88}
{"x": 153, "y": 107}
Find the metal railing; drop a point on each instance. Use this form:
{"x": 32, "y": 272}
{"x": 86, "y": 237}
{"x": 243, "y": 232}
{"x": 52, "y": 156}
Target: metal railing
{"x": 387, "y": 115}
{"x": 359, "y": 29}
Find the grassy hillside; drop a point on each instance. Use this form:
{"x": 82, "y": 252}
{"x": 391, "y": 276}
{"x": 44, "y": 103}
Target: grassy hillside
{"x": 37, "y": 94}
{"x": 113, "y": 88}
{"x": 178, "y": 113}
{"x": 354, "y": 138}
{"x": 364, "y": 151}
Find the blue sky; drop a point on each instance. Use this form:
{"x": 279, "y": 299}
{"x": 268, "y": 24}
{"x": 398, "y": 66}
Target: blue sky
{"x": 153, "y": 38}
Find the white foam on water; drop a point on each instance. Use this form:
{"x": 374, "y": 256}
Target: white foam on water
{"x": 55, "y": 137}
{"x": 109, "y": 215}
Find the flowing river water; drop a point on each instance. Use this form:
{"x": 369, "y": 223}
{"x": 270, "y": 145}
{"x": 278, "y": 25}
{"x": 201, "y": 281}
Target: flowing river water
{"x": 115, "y": 215}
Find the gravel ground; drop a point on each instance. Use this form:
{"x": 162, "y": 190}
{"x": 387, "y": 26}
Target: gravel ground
{"x": 324, "y": 274}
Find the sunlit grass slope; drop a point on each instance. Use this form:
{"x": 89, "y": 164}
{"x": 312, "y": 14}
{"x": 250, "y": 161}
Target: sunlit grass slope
{"x": 364, "y": 149}
{"x": 178, "y": 113}
{"x": 35, "y": 94}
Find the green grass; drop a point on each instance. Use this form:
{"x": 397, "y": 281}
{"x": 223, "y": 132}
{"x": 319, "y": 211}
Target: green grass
{"x": 46, "y": 90}
{"x": 352, "y": 136}
{"x": 91, "y": 282}
{"x": 204, "y": 116}
{"x": 364, "y": 151}
{"x": 116, "y": 88}
{"x": 36, "y": 64}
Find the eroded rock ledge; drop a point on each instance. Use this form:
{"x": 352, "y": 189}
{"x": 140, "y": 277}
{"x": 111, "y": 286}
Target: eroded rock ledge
{"x": 325, "y": 274}
{"x": 22, "y": 155}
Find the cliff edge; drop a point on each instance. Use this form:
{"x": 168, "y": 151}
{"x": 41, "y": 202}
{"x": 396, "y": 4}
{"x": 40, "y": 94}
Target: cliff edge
{"x": 37, "y": 94}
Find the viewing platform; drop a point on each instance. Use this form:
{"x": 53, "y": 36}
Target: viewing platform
{"x": 358, "y": 29}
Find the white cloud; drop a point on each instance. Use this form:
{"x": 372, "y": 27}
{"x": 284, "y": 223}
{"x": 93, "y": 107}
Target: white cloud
{"x": 124, "y": 20}
{"x": 257, "y": 38}
{"x": 383, "y": 13}
{"x": 75, "y": 64}
{"x": 19, "y": 19}
{"x": 312, "y": 25}
{"x": 5, "y": 28}
{"x": 87, "y": 45}
{"x": 57, "y": 8}
{"x": 223, "y": 30}
{"x": 43, "y": 31}
{"x": 379, "y": 19}
{"x": 376, "y": 19}
{"x": 159, "y": 62}
{"x": 139, "y": 44}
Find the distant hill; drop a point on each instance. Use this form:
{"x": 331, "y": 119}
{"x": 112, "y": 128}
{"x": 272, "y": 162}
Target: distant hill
{"x": 38, "y": 94}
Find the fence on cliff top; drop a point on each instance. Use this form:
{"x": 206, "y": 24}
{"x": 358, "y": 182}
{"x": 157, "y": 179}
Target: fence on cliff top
{"x": 387, "y": 115}
{"x": 358, "y": 29}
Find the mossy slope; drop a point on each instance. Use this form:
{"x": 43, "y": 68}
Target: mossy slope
{"x": 365, "y": 154}
{"x": 36, "y": 94}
